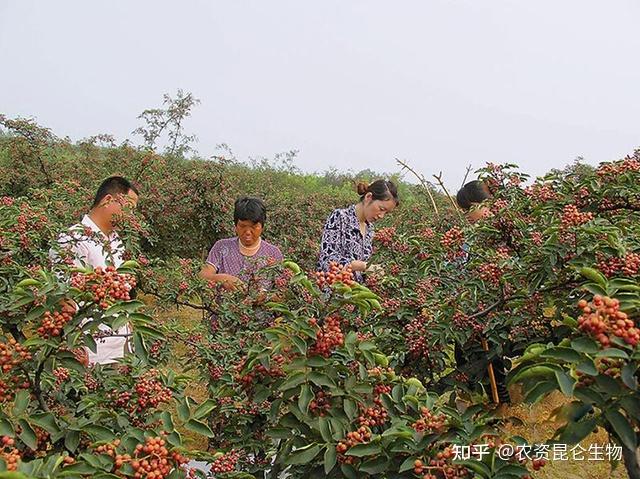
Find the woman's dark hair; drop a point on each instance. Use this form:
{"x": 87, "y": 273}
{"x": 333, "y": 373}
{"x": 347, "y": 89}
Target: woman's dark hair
{"x": 113, "y": 186}
{"x": 472, "y": 193}
{"x": 249, "y": 209}
{"x": 381, "y": 190}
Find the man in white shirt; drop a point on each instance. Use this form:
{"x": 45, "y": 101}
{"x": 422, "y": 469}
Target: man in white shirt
{"x": 94, "y": 242}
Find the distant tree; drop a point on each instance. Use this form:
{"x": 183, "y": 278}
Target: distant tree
{"x": 169, "y": 121}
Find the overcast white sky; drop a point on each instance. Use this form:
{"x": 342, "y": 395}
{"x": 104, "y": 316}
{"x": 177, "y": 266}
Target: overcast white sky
{"x": 351, "y": 84}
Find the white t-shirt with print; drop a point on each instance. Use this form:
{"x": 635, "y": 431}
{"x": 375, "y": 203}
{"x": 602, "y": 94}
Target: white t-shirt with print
{"x": 89, "y": 251}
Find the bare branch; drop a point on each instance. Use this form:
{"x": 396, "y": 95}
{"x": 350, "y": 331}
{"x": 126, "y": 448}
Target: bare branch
{"x": 423, "y": 182}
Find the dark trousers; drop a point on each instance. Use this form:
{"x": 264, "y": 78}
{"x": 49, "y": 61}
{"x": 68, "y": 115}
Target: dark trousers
{"x": 472, "y": 359}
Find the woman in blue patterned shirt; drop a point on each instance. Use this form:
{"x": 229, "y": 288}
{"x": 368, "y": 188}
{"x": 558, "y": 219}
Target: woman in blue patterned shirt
{"x": 348, "y": 233}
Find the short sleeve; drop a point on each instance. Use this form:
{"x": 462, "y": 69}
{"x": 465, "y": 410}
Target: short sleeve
{"x": 215, "y": 257}
{"x": 277, "y": 254}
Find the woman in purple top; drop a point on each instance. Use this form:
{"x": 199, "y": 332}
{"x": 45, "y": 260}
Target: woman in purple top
{"x": 233, "y": 260}
{"x": 348, "y": 232}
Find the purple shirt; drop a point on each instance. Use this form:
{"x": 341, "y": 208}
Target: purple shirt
{"x": 225, "y": 256}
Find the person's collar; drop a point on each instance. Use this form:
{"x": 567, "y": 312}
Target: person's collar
{"x": 87, "y": 221}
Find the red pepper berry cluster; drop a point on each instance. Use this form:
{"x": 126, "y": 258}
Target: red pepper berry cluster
{"x": 490, "y": 272}
{"x": 373, "y": 416}
{"x": 462, "y": 321}
{"x": 537, "y": 238}
{"x": 391, "y": 305}
{"x": 152, "y": 460}
{"x": 603, "y": 319}
{"x": 380, "y": 389}
{"x": 453, "y": 238}
{"x": 612, "y": 266}
{"x": 380, "y": 372}
{"x": 9, "y": 453}
{"x": 328, "y": 337}
{"x": 12, "y": 354}
{"x": 336, "y": 274}
{"x": 440, "y": 464}
{"x": 321, "y": 403}
{"x": 282, "y": 281}
{"x": 148, "y": 392}
{"x": 428, "y": 233}
{"x": 572, "y": 216}
{"x": 362, "y": 434}
{"x": 52, "y": 323}
{"x": 540, "y": 192}
{"x": 106, "y": 285}
{"x": 226, "y": 463}
{"x": 429, "y": 422}
{"x": 62, "y": 376}
{"x": 151, "y": 391}
{"x": 385, "y": 235}
{"x": 618, "y": 168}
{"x": 259, "y": 370}
{"x": 417, "y": 336}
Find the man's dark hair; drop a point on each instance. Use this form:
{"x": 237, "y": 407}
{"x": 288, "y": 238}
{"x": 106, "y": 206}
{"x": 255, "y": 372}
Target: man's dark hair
{"x": 112, "y": 186}
{"x": 474, "y": 192}
{"x": 249, "y": 209}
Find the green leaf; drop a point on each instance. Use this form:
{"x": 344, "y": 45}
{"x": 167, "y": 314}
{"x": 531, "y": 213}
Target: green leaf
{"x": 631, "y": 406}
{"x": 350, "y": 408}
{"x": 348, "y": 471}
{"x": 300, "y": 345}
{"x": 293, "y": 381}
{"x": 565, "y": 382}
{"x": 476, "y": 466}
{"x": 317, "y": 362}
{"x": 167, "y": 421}
{"x": 325, "y": 430}
{"x": 540, "y": 390}
{"x": 279, "y": 432}
{"x": 199, "y": 427}
{"x": 564, "y": 354}
{"x": 407, "y": 464}
{"x": 587, "y": 367}
{"x": 204, "y": 409}
{"x": 71, "y": 440}
{"x": 6, "y": 429}
{"x": 594, "y": 289}
{"x": 321, "y": 379}
{"x": 628, "y": 375}
{"x": 303, "y": 455}
{"x": 375, "y": 466}
{"x": 21, "y": 402}
{"x": 126, "y": 306}
{"x": 28, "y": 436}
{"x": 150, "y": 332}
{"x": 79, "y": 468}
{"x": 46, "y": 421}
{"x": 612, "y": 353}
{"x": 99, "y": 433}
{"x": 622, "y": 428}
{"x": 183, "y": 410}
{"x": 306, "y": 395}
{"x": 361, "y": 450}
{"x": 574, "y": 432}
{"x": 330, "y": 458}
{"x": 594, "y": 276}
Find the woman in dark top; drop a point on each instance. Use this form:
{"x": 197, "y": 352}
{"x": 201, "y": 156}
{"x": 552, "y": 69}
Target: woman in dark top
{"x": 348, "y": 232}
{"x": 470, "y": 198}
